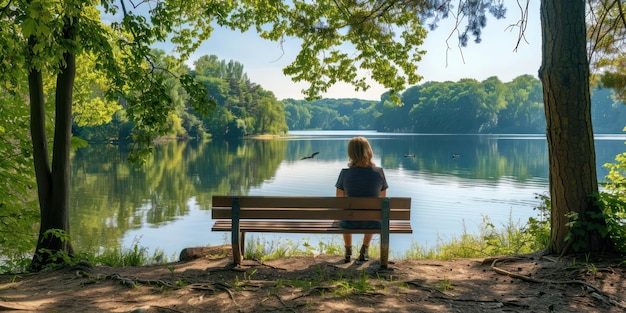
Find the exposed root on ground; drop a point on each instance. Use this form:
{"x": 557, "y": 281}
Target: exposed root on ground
{"x": 591, "y": 289}
{"x": 129, "y": 282}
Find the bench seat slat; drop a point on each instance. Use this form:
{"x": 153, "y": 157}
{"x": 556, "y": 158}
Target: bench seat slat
{"x": 310, "y": 202}
{"x": 310, "y": 214}
{"x": 396, "y": 227}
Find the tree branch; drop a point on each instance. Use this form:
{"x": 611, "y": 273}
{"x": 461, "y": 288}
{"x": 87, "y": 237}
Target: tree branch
{"x": 522, "y": 24}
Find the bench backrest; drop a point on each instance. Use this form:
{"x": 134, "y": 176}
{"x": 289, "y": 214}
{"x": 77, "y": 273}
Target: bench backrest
{"x": 310, "y": 208}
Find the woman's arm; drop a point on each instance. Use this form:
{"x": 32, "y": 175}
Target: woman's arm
{"x": 383, "y": 193}
{"x": 340, "y": 193}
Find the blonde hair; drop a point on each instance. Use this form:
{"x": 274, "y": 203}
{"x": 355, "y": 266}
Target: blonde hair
{"x": 360, "y": 153}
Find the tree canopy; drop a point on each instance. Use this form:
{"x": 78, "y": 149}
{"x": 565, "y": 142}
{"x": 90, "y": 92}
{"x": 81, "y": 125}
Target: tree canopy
{"x": 607, "y": 35}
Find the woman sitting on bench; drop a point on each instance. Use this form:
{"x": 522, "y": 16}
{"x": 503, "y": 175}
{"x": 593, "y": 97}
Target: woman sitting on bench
{"x": 361, "y": 179}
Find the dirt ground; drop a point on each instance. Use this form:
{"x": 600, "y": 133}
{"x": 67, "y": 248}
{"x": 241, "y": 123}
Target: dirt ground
{"x": 324, "y": 283}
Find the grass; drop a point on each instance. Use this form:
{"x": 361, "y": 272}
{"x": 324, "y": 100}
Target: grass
{"x": 119, "y": 257}
{"x": 444, "y": 285}
{"x": 511, "y": 238}
{"x": 335, "y": 283}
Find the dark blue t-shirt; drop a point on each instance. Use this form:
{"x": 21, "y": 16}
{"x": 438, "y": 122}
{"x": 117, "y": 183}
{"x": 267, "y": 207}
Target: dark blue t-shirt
{"x": 362, "y": 181}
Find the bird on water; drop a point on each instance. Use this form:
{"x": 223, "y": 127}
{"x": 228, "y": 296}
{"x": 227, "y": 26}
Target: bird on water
{"x": 310, "y": 156}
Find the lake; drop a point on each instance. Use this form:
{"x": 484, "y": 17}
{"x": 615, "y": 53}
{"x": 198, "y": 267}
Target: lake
{"x": 454, "y": 182}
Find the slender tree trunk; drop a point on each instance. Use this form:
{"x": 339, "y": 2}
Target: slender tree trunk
{"x": 53, "y": 183}
{"x": 565, "y": 77}
{"x": 40, "y": 150}
{"x": 38, "y": 133}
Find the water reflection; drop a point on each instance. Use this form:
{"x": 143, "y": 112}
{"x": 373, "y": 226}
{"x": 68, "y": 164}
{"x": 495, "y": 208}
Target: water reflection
{"x": 111, "y": 197}
{"x": 166, "y": 203}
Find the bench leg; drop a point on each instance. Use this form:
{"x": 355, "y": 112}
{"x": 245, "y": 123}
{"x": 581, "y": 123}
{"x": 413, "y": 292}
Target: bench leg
{"x": 237, "y": 248}
{"x": 384, "y": 255}
{"x": 243, "y": 244}
{"x": 384, "y": 235}
{"x": 384, "y": 246}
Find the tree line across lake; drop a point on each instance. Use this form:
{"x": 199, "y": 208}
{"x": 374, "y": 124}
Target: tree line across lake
{"x": 466, "y": 106}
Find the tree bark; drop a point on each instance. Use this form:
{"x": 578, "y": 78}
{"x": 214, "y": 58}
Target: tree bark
{"x": 564, "y": 74}
{"x": 53, "y": 183}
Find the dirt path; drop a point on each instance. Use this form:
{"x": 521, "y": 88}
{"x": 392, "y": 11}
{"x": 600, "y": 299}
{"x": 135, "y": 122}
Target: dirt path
{"x": 325, "y": 284}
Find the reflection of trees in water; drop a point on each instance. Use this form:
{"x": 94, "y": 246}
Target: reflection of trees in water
{"x": 468, "y": 156}
{"x": 110, "y": 196}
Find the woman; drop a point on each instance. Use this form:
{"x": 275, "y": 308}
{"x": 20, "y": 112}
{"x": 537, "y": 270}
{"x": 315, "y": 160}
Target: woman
{"x": 361, "y": 179}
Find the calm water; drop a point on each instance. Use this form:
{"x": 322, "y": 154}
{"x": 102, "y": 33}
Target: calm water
{"x": 166, "y": 205}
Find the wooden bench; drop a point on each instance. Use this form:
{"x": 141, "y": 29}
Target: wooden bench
{"x": 243, "y": 214}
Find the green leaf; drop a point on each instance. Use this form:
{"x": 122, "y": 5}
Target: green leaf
{"x": 28, "y": 27}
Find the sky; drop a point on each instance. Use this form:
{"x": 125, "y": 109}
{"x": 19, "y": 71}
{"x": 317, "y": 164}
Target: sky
{"x": 494, "y": 56}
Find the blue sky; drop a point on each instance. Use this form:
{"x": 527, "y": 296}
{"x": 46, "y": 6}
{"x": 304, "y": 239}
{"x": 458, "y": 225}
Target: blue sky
{"x": 494, "y": 56}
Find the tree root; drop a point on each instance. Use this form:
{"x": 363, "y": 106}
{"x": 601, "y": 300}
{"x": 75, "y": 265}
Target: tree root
{"x": 158, "y": 308}
{"x": 595, "y": 291}
{"x": 228, "y": 267}
{"x": 134, "y": 282}
{"x": 319, "y": 289}
{"x": 218, "y": 285}
{"x": 230, "y": 293}
{"x": 291, "y": 308}
{"x": 419, "y": 285}
{"x": 129, "y": 282}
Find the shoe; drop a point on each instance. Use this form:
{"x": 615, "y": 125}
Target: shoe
{"x": 363, "y": 255}
{"x": 348, "y": 254}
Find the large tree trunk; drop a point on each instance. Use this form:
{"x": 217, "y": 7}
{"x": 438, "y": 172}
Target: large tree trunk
{"x": 565, "y": 77}
{"x": 53, "y": 183}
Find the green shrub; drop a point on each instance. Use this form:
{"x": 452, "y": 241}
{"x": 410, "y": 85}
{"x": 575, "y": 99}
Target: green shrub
{"x": 613, "y": 199}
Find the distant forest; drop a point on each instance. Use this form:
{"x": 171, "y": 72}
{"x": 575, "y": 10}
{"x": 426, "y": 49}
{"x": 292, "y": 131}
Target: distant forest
{"x": 241, "y": 107}
{"x": 245, "y": 108}
{"x": 466, "y": 106}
